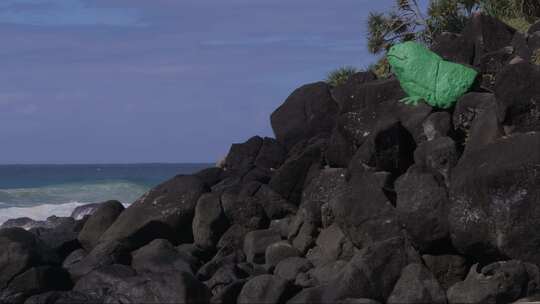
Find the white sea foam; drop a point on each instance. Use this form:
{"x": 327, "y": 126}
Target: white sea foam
{"x": 40, "y": 212}
{"x": 60, "y": 200}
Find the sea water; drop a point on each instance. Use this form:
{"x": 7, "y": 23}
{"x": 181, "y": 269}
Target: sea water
{"x": 39, "y": 191}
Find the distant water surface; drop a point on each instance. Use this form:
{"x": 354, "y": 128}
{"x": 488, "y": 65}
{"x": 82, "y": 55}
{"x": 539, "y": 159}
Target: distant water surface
{"x": 38, "y": 191}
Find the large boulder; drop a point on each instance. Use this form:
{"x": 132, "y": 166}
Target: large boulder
{"x": 484, "y": 34}
{"x": 160, "y": 256}
{"x": 59, "y": 233}
{"x": 422, "y": 206}
{"x": 257, "y": 241}
{"x": 480, "y": 117}
{"x": 104, "y": 254}
{"x": 447, "y": 268}
{"x": 494, "y": 199}
{"x": 254, "y": 159}
{"x": 225, "y": 256}
{"x": 241, "y": 157}
{"x": 290, "y": 267}
{"x": 289, "y": 180}
{"x": 34, "y": 281}
{"x": 20, "y": 251}
{"x": 517, "y": 89}
{"x": 439, "y": 155}
{"x": 278, "y": 252}
{"x": 166, "y": 211}
{"x": 501, "y": 282}
{"x": 210, "y": 221}
{"x": 372, "y": 273}
{"x": 242, "y": 208}
{"x": 265, "y": 289}
{"x": 85, "y": 210}
{"x": 306, "y": 224}
{"x": 120, "y": 284}
{"x": 274, "y": 205}
{"x": 363, "y": 212}
{"x": 389, "y": 147}
{"x": 307, "y": 112}
{"x": 450, "y": 47}
{"x": 332, "y": 245}
{"x": 491, "y": 64}
{"x": 98, "y": 222}
{"x": 62, "y": 297}
{"x": 226, "y": 284}
{"x": 417, "y": 285}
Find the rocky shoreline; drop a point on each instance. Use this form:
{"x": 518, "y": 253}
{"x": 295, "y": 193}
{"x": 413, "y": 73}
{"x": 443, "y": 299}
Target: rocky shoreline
{"x": 359, "y": 199}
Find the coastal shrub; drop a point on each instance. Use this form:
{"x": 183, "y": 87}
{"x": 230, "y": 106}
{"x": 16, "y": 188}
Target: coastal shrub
{"x": 341, "y": 75}
{"x": 519, "y": 14}
{"x": 381, "y": 68}
{"x": 407, "y": 21}
{"x": 536, "y": 57}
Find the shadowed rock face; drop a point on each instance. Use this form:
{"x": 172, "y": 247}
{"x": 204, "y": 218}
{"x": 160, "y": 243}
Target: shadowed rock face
{"x": 360, "y": 199}
{"x": 494, "y": 199}
{"x": 164, "y": 212}
{"x": 309, "y": 111}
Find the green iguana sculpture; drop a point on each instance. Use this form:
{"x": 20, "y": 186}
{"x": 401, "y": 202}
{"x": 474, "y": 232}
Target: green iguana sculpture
{"x": 424, "y": 75}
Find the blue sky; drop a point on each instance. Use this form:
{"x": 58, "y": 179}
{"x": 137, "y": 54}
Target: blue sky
{"x": 163, "y": 80}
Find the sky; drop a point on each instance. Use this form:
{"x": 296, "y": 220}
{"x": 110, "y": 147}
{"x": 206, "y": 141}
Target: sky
{"x": 129, "y": 81}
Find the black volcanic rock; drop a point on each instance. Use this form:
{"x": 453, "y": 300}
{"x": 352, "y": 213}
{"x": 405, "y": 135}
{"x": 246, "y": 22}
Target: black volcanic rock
{"x": 447, "y": 268}
{"x": 274, "y": 205}
{"x": 304, "y": 228}
{"x": 278, "y": 252}
{"x": 439, "y": 155}
{"x": 290, "y": 267}
{"x": 209, "y": 222}
{"x": 257, "y": 241}
{"x": 98, "y": 223}
{"x": 491, "y": 64}
{"x": 81, "y": 211}
{"x": 225, "y": 256}
{"x": 364, "y": 212}
{"x": 166, "y": 211}
{"x": 517, "y": 89}
{"x": 20, "y": 251}
{"x": 372, "y": 273}
{"x": 241, "y": 157}
{"x": 160, "y": 256}
{"x": 265, "y": 289}
{"x": 21, "y": 222}
{"x": 494, "y": 194}
{"x": 291, "y": 177}
{"x": 501, "y": 282}
{"x": 363, "y": 97}
{"x": 417, "y": 285}
{"x": 437, "y": 125}
{"x": 210, "y": 176}
{"x": 486, "y": 34}
{"x": 480, "y": 116}
{"x": 388, "y": 148}
{"x": 119, "y": 284}
{"x": 59, "y": 233}
{"x": 307, "y": 112}
{"x": 452, "y": 47}
{"x": 35, "y": 281}
{"x": 104, "y": 254}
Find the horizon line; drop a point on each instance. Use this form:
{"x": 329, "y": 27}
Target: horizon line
{"x": 106, "y": 163}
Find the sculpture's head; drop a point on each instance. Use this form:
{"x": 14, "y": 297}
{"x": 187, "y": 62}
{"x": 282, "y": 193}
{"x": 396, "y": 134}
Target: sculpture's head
{"x": 399, "y": 55}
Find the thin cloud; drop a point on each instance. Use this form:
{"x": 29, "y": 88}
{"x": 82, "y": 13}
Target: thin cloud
{"x": 65, "y": 13}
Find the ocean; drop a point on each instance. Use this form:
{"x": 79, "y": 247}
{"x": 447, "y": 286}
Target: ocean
{"x": 39, "y": 191}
